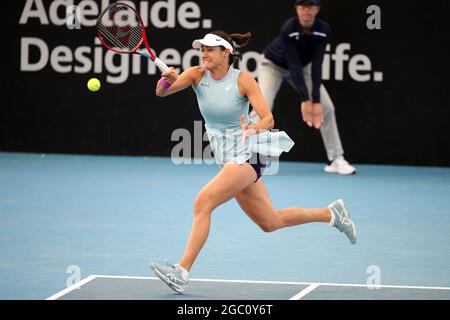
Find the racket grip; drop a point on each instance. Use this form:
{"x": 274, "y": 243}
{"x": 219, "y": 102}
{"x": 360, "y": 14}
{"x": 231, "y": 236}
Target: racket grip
{"x": 161, "y": 65}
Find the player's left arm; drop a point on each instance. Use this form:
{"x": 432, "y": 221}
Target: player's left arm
{"x": 249, "y": 87}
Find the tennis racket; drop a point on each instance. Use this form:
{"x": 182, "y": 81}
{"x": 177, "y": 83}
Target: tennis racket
{"x": 120, "y": 29}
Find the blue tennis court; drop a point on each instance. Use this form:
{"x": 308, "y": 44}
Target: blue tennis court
{"x": 101, "y": 220}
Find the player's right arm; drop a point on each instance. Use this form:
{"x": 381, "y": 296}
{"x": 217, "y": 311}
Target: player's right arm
{"x": 188, "y": 78}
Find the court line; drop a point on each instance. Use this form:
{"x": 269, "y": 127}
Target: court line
{"x": 71, "y": 288}
{"x": 126, "y": 277}
{"x": 305, "y": 291}
{"x": 371, "y": 286}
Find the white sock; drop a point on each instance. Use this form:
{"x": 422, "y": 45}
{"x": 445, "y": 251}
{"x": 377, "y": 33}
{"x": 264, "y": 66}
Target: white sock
{"x": 184, "y": 272}
{"x": 333, "y": 217}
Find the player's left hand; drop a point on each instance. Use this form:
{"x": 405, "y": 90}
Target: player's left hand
{"x": 246, "y": 128}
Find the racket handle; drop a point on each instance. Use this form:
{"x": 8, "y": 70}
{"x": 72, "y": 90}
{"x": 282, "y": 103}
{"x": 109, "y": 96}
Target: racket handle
{"x": 161, "y": 65}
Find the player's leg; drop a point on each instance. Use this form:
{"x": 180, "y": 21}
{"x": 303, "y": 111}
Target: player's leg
{"x": 256, "y": 203}
{"x": 230, "y": 180}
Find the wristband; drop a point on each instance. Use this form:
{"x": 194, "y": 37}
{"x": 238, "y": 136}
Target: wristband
{"x": 164, "y": 83}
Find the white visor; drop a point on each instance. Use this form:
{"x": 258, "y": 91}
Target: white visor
{"x": 211, "y": 40}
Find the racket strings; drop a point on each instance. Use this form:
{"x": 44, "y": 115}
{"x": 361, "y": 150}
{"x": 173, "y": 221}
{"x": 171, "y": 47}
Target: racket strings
{"x": 113, "y": 42}
{"x": 109, "y": 39}
{"x": 120, "y": 28}
{"x": 120, "y": 38}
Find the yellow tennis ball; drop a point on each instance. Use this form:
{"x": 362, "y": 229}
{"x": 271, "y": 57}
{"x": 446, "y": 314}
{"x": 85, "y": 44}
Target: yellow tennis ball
{"x": 94, "y": 84}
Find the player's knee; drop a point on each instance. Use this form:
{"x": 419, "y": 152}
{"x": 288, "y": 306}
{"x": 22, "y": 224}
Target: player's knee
{"x": 272, "y": 224}
{"x": 203, "y": 204}
{"x": 268, "y": 227}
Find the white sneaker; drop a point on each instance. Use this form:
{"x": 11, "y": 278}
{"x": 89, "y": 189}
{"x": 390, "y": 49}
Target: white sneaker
{"x": 172, "y": 275}
{"x": 341, "y": 166}
{"x": 342, "y": 220}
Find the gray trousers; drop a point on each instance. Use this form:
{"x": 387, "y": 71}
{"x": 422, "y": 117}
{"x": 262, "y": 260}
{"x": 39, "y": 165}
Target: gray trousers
{"x": 271, "y": 77}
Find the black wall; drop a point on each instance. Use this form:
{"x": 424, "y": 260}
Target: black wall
{"x": 402, "y": 119}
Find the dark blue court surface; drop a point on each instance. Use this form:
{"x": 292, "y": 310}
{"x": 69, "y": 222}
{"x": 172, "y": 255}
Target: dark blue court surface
{"x": 66, "y": 217}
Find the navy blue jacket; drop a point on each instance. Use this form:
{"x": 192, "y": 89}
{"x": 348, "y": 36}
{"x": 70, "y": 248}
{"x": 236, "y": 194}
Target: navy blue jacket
{"x": 293, "y": 49}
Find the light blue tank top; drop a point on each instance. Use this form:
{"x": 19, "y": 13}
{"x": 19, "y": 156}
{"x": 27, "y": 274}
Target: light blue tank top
{"x": 220, "y": 101}
{"x": 222, "y": 105}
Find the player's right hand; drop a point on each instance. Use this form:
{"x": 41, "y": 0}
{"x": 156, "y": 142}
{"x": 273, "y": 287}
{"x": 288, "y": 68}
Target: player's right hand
{"x": 170, "y": 75}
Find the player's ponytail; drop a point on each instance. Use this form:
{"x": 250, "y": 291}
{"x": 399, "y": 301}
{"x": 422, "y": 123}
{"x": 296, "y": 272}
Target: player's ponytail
{"x": 237, "y": 40}
{"x": 241, "y": 40}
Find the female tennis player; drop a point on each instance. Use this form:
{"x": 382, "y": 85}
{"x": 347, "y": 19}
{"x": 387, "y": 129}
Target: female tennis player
{"x": 223, "y": 95}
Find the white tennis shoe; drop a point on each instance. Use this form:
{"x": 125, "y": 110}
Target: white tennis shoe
{"x": 342, "y": 220}
{"x": 171, "y": 275}
{"x": 340, "y": 166}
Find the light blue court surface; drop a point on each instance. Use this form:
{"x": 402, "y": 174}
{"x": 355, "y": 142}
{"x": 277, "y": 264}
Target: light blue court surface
{"x": 60, "y": 214}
